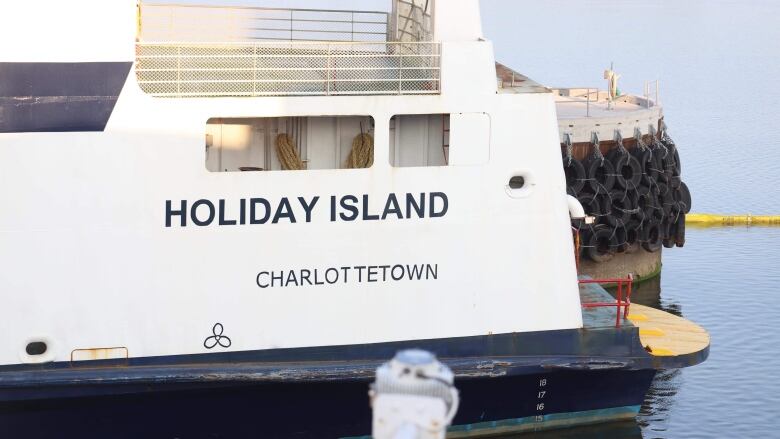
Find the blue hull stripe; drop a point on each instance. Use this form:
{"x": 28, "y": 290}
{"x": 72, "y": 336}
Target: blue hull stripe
{"x": 59, "y": 97}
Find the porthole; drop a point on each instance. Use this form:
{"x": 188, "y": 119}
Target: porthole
{"x": 517, "y": 182}
{"x": 520, "y": 184}
{"x": 36, "y": 348}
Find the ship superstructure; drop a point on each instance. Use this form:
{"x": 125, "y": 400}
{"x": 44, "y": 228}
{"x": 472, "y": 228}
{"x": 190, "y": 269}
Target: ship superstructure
{"x": 271, "y": 201}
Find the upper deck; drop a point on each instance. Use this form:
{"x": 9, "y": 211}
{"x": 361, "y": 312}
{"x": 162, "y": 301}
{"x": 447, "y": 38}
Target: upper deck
{"x": 186, "y": 50}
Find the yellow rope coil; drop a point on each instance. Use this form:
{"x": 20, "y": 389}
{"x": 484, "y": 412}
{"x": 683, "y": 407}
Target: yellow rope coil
{"x": 287, "y": 153}
{"x": 362, "y": 154}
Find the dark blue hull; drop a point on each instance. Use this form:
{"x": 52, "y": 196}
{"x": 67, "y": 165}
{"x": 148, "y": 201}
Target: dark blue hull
{"x": 508, "y": 382}
{"x": 324, "y": 409}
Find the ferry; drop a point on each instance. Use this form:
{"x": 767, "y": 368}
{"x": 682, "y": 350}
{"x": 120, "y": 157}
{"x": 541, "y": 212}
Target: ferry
{"x": 218, "y": 221}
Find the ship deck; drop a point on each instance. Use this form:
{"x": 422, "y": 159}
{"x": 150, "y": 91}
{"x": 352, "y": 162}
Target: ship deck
{"x": 579, "y": 103}
{"x": 661, "y": 333}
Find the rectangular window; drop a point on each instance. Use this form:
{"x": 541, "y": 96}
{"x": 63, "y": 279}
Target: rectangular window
{"x": 289, "y": 143}
{"x": 419, "y": 140}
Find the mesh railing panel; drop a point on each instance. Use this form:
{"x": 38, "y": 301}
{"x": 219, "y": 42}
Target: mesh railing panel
{"x": 288, "y": 69}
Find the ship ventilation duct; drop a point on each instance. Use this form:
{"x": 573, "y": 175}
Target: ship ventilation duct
{"x": 576, "y": 211}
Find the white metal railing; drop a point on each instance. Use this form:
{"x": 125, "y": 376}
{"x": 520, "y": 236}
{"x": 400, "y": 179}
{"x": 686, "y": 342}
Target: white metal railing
{"x": 288, "y": 69}
{"x": 652, "y": 88}
{"x": 210, "y": 23}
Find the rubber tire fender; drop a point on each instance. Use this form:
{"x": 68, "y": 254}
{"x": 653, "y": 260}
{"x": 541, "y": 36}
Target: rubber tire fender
{"x": 645, "y": 159}
{"x": 679, "y": 231}
{"x": 599, "y": 244}
{"x": 651, "y": 238}
{"x": 685, "y": 198}
{"x": 658, "y": 165}
{"x": 601, "y": 175}
{"x": 621, "y": 239}
{"x": 674, "y": 215}
{"x": 619, "y": 207}
{"x": 649, "y": 173}
{"x": 628, "y": 170}
{"x": 655, "y": 213}
{"x": 633, "y": 232}
{"x": 668, "y": 164}
{"x": 665, "y": 198}
{"x": 592, "y": 204}
{"x": 676, "y": 165}
{"x": 646, "y": 204}
{"x": 668, "y": 230}
{"x": 575, "y": 174}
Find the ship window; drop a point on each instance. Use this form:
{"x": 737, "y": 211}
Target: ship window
{"x": 457, "y": 139}
{"x": 289, "y": 143}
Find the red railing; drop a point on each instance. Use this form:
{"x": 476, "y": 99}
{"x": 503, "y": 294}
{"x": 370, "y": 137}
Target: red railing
{"x": 623, "y": 286}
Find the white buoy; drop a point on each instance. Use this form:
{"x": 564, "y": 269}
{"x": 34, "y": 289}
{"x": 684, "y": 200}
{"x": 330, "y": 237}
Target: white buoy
{"x": 413, "y": 397}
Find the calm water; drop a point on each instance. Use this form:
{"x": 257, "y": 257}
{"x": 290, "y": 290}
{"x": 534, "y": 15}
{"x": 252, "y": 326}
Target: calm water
{"x": 719, "y": 66}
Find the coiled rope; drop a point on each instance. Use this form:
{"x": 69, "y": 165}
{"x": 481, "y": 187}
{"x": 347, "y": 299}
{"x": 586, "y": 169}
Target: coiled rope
{"x": 362, "y": 154}
{"x": 288, "y": 153}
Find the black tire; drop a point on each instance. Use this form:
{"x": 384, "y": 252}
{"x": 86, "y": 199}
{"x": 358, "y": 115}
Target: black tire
{"x": 668, "y": 232}
{"x": 658, "y": 164}
{"x": 633, "y": 232}
{"x": 601, "y": 175}
{"x": 592, "y": 204}
{"x": 677, "y": 208}
{"x": 646, "y": 161}
{"x": 599, "y": 243}
{"x": 575, "y": 174}
{"x": 651, "y": 238}
{"x": 685, "y": 198}
{"x": 655, "y": 212}
{"x": 669, "y": 164}
{"x": 606, "y": 206}
{"x": 628, "y": 170}
{"x": 645, "y": 186}
{"x": 621, "y": 243}
{"x": 675, "y": 212}
{"x": 679, "y": 231}
{"x": 677, "y": 164}
{"x": 665, "y": 198}
{"x": 645, "y": 203}
{"x": 622, "y": 205}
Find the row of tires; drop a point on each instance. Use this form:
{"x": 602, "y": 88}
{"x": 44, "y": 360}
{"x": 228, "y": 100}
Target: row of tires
{"x": 637, "y": 197}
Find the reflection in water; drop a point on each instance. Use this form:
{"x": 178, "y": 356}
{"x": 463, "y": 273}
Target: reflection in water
{"x": 648, "y": 293}
{"x": 654, "y": 414}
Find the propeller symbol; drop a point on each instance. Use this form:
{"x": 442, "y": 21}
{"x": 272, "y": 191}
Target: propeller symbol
{"x": 217, "y": 338}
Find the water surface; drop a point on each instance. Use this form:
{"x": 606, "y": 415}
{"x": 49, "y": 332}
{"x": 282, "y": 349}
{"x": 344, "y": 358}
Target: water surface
{"x": 719, "y": 66}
